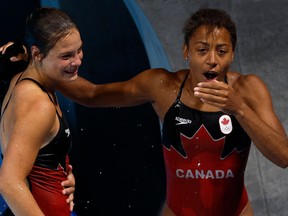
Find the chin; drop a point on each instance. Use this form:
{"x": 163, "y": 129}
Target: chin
{"x": 70, "y": 76}
{"x": 74, "y": 77}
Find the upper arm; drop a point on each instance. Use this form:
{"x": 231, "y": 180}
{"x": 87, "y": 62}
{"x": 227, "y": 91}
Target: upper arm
{"x": 260, "y": 100}
{"x": 30, "y": 120}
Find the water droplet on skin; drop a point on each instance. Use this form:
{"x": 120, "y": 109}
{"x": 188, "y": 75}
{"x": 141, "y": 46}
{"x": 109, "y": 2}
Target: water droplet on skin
{"x": 20, "y": 187}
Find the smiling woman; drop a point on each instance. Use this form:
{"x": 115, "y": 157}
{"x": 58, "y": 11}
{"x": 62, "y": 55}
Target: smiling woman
{"x": 40, "y": 158}
{"x": 139, "y": 175}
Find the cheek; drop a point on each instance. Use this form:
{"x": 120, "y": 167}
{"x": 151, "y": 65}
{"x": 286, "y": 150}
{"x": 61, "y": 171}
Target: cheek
{"x": 52, "y": 64}
{"x": 227, "y": 65}
{"x": 55, "y": 69}
{"x": 197, "y": 61}
{"x": 60, "y": 65}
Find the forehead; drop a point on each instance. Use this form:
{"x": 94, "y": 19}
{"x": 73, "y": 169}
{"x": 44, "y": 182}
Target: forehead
{"x": 70, "y": 41}
{"x": 210, "y": 34}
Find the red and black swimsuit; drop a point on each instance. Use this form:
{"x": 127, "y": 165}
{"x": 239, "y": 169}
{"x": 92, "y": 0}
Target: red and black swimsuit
{"x": 50, "y": 169}
{"x": 205, "y": 157}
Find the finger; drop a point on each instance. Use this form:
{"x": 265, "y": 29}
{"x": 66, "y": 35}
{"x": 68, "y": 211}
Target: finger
{"x": 71, "y": 206}
{"x": 212, "y": 99}
{"x": 70, "y": 179}
{"x": 65, "y": 183}
{"x": 14, "y": 59}
{"x": 68, "y": 190}
{"x": 3, "y": 48}
{"x": 206, "y": 92}
{"x": 70, "y": 198}
{"x": 70, "y": 168}
{"x": 70, "y": 201}
{"x": 213, "y": 84}
{"x": 20, "y": 56}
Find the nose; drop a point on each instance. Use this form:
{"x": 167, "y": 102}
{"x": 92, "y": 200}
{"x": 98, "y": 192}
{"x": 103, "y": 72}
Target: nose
{"x": 77, "y": 60}
{"x": 212, "y": 59}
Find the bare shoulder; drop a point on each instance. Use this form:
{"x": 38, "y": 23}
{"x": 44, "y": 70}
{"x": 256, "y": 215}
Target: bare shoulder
{"x": 251, "y": 87}
{"x": 159, "y": 87}
{"x": 29, "y": 98}
{"x": 246, "y": 80}
{"x": 162, "y": 77}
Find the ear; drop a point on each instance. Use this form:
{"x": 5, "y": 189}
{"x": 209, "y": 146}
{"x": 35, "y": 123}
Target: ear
{"x": 35, "y": 53}
{"x": 232, "y": 57}
{"x": 185, "y": 52}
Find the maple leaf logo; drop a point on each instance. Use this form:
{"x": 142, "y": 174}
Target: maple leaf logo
{"x": 225, "y": 121}
{"x": 204, "y": 163}
{"x": 204, "y": 142}
{"x": 200, "y": 142}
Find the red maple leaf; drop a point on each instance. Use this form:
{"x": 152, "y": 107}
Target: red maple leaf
{"x": 202, "y": 156}
{"x": 225, "y": 121}
{"x": 203, "y": 153}
{"x": 201, "y": 147}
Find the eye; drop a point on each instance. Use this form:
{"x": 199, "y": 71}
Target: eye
{"x": 202, "y": 50}
{"x": 79, "y": 51}
{"x": 66, "y": 57}
{"x": 222, "y": 52}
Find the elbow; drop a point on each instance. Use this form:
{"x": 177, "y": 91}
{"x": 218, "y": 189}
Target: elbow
{"x": 283, "y": 163}
{"x": 2, "y": 185}
{"x": 6, "y": 185}
{"x": 87, "y": 99}
{"x": 284, "y": 160}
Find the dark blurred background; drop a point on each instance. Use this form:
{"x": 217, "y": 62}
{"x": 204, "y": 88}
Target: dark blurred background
{"x": 116, "y": 155}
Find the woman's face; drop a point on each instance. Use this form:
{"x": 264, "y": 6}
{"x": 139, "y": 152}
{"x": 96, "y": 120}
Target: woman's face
{"x": 64, "y": 59}
{"x": 210, "y": 53}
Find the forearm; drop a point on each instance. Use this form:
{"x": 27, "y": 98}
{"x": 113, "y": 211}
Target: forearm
{"x": 118, "y": 94}
{"x": 21, "y": 201}
{"x": 270, "y": 139}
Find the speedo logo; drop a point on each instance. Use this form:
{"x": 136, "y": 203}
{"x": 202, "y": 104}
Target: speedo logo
{"x": 182, "y": 121}
{"x": 67, "y": 131}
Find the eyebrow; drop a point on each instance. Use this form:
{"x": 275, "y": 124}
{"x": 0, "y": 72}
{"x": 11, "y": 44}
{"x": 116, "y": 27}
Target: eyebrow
{"x": 205, "y": 43}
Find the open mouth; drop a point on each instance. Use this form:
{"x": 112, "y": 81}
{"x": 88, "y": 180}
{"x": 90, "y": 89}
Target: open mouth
{"x": 210, "y": 75}
{"x": 71, "y": 72}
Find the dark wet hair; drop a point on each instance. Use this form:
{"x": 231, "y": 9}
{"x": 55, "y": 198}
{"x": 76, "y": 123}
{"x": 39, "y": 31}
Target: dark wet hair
{"x": 212, "y": 18}
{"x": 45, "y": 26}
